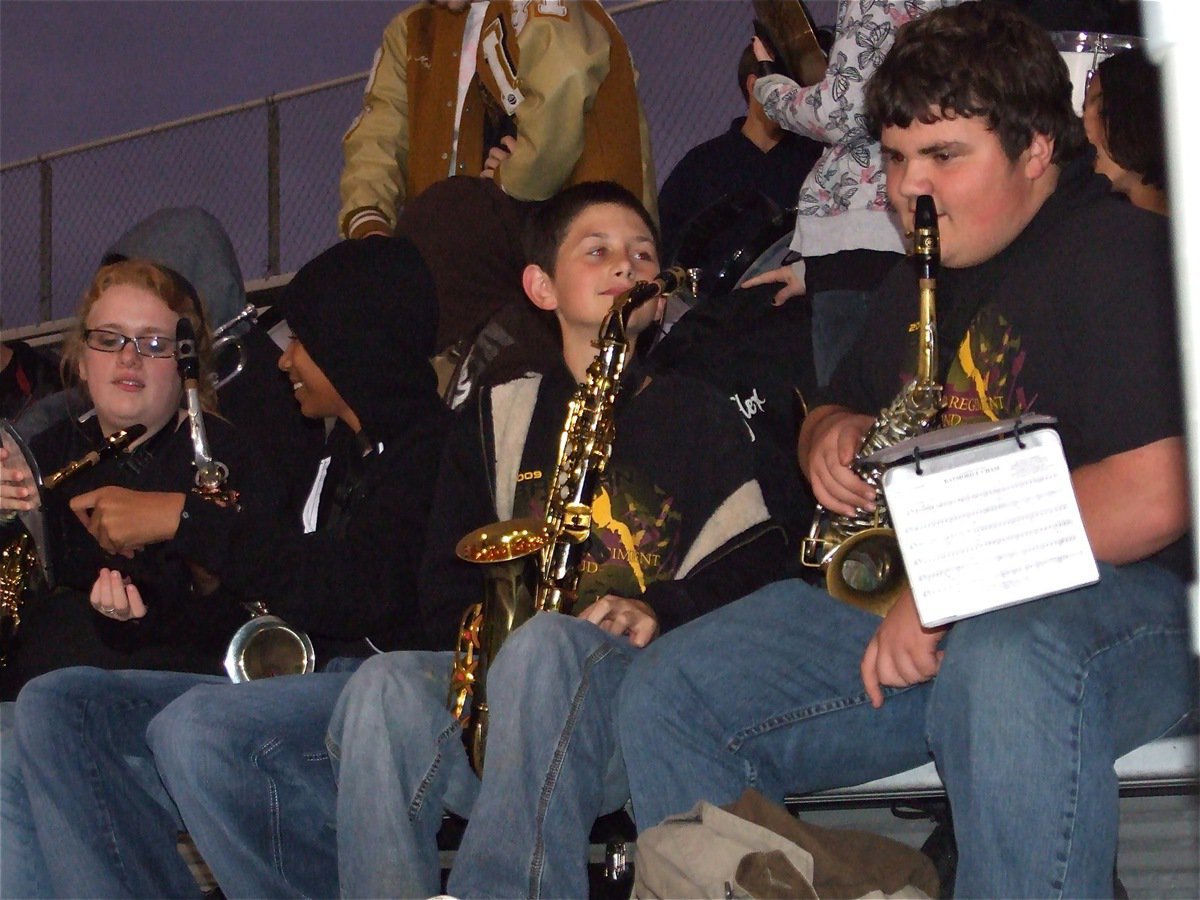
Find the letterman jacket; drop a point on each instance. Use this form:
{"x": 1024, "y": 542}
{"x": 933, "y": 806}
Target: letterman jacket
{"x": 561, "y": 70}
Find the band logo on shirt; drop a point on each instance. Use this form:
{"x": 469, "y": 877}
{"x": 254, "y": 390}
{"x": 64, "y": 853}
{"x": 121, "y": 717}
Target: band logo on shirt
{"x": 749, "y": 408}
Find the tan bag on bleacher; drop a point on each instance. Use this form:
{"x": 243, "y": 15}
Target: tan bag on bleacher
{"x": 756, "y": 848}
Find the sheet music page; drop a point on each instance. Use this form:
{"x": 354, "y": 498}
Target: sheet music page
{"x": 988, "y": 527}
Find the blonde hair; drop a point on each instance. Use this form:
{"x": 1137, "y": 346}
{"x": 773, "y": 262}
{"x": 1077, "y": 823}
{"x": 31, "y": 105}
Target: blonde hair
{"x": 168, "y": 287}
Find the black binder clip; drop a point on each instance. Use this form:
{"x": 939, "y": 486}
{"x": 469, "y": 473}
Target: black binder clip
{"x": 1016, "y": 432}
{"x": 917, "y": 459}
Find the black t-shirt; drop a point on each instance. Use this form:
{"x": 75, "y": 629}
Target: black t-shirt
{"x": 1075, "y": 319}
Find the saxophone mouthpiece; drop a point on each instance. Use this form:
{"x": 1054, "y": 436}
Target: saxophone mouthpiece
{"x": 926, "y": 216}
{"x": 186, "y": 356}
{"x": 926, "y": 245}
{"x": 665, "y": 282}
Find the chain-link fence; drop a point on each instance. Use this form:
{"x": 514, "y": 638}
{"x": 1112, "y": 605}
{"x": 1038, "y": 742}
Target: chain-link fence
{"x": 268, "y": 170}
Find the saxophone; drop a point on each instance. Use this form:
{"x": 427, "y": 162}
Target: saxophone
{"x": 25, "y": 556}
{"x": 859, "y": 553}
{"x": 515, "y": 588}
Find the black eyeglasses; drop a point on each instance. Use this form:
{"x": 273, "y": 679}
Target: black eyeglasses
{"x": 154, "y": 346}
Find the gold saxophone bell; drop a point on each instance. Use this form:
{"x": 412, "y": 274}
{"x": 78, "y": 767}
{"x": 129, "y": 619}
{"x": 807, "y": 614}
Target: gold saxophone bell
{"x": 509, "y": 595}
{"x": 867, "y": 571}
{"x": 267, "y": 646}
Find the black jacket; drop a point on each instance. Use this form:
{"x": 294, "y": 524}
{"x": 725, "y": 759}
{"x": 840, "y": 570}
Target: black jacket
{"x": 680, "y": 493}
{"x": 181, "y": 631}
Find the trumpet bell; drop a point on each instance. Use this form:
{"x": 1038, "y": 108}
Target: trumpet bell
{"x": 229, "y": 355}
{"x": 867, "y": 571}
{"x": 267, "y": 646}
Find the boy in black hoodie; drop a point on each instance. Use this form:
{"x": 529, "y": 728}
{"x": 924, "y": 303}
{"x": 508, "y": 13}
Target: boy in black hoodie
{"x": 343, "y": 578}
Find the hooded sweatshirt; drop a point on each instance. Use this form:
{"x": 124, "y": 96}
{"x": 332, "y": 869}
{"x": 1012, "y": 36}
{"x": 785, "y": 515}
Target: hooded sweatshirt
{"x": 354, "y": 577}
{"x": 192, "y": 243}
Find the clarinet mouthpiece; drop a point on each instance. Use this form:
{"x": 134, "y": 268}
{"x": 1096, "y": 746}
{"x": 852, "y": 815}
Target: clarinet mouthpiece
{"x": 186, "y": 356}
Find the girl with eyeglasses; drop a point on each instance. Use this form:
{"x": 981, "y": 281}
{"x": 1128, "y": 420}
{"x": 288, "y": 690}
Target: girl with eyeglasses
{"x": 151, "y": 609}
{"x": 122, "y": 351}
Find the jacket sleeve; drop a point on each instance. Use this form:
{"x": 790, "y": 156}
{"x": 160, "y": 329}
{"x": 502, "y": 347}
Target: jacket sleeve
{"x": 753, "y": 560}
{"x": 376, "y": 145}
{"x": 561, "y": 67}
{"x": 831, "y": 111}
{"x": 341, "y": 584}
{"x": 462, "y": 502}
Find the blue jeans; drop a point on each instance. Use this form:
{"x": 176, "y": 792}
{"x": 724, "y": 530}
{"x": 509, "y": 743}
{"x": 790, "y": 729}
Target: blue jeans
{"x": 247, "y": 767}
{"x": 23, "y": 869}
{"x": 105, "y": 824}
{"x": 1032, "y": 706}
{"x": 116, "y": 763}
{"x": 838, "y": 318}
{"x": 553, "y": 766}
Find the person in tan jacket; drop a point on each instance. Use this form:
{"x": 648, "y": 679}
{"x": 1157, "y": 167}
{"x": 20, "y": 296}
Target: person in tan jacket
{"x": 547, "y": 99}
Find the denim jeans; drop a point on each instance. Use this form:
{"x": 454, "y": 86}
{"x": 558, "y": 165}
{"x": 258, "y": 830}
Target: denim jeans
{"x": 119, "y": 762}
{"x": 105, "y": 824}
{"x": 23, "y": 869}
{"x": 247, "y": 767}
{"x": 838, "y": 318}
{"x": 1032, "y": 706}
{"x": 552, "y": 767}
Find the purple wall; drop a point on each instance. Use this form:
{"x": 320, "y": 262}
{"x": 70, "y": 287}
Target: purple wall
{"x": 167, "y": 60}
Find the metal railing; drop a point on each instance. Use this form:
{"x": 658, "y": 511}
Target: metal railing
{"x": 268, "y": 169}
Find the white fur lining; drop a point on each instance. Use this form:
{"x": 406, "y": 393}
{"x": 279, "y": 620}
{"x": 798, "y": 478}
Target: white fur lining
{"x": 515, "y": 400}
{"x": 742, "y": 509}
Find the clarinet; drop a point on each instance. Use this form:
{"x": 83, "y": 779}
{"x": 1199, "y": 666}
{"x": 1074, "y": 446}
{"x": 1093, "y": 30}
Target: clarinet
{"x": 211, "y": 474}
{"x": 266, "y": 645}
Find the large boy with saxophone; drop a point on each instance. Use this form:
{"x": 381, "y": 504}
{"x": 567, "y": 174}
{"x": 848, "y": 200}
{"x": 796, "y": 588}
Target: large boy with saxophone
{"x": 679, "y": 527}
{"x": 1054, "y": 297}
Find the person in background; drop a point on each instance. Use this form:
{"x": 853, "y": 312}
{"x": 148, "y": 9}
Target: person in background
{"x": 846, "y": 236}
{"x": 535, "y": 96}
{"x": 1122, "y": 112}
{"x": 755, "y": 154}
{"x": 532, "y": 97}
